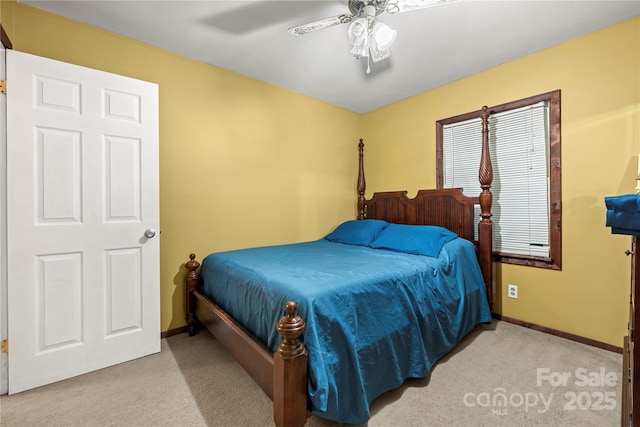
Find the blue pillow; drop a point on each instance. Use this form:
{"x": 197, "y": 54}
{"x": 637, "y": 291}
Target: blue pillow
{"x": 414, "y": 239}
{"x": 357, "y": 232}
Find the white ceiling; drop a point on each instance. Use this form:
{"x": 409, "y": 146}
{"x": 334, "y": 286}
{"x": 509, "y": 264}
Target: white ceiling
{"x": 434, "y": 46}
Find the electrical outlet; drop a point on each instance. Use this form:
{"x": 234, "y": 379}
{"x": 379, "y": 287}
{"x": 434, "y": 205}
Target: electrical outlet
{"x": 512, "y": 291}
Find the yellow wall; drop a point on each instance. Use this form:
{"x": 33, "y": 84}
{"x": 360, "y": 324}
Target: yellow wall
{"x": 599, "y": 79}
{"x": 259, "y": 146}
{"x": 242, "y": 163}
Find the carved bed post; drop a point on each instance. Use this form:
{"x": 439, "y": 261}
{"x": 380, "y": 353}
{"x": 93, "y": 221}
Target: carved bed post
{"x": 290, "y": 372}
{"x": 362, "y": 185}
{"x": 485, "y": 227}
{"x": 191, "y": 282}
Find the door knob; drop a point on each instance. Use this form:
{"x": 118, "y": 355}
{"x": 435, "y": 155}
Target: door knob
{"x": 149, "y": 233}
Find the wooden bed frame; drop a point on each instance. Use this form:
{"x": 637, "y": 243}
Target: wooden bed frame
{"x": 283, "y": 374}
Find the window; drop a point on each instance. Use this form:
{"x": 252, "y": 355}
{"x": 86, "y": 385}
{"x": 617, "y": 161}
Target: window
{"x": 524, "y": 140}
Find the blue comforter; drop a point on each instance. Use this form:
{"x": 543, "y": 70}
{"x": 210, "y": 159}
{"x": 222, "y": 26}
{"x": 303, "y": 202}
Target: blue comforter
{"x": 623, "y": 214}
{"x": 374, "y": 317}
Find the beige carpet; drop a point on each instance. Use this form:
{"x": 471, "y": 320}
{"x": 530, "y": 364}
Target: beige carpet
{"x": 500, "y": 375}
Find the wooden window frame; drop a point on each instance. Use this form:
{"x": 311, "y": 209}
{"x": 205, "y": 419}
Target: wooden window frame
{"x": 554, "y": 261}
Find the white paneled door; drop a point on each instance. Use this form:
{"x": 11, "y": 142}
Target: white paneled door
{"x": 82, "y": 214}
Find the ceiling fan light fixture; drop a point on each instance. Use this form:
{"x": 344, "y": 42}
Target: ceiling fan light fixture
{"x": 359, "y": 37}
{"x": 361, "y": 49}
{"x": 358, "y": 29}
{"x": 383, "y": 35}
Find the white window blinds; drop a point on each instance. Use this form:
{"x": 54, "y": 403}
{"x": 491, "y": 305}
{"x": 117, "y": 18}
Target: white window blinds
{"x": 518, "y": 141}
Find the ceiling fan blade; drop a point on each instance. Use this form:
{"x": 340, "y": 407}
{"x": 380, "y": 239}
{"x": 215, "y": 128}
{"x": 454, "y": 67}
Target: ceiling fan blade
{"x": 399, "y": 6}
{"x": 321, "y": 25}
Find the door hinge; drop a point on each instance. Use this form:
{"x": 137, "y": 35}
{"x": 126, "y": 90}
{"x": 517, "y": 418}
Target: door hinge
{"x": 3, "y": 86}
{"x": 4, "y": 346}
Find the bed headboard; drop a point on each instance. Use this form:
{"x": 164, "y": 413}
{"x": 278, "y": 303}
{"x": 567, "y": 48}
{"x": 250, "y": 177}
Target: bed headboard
{"x": 446, "y": 207}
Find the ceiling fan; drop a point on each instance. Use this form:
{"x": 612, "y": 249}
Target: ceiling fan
{"x": 367, "y": 35}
